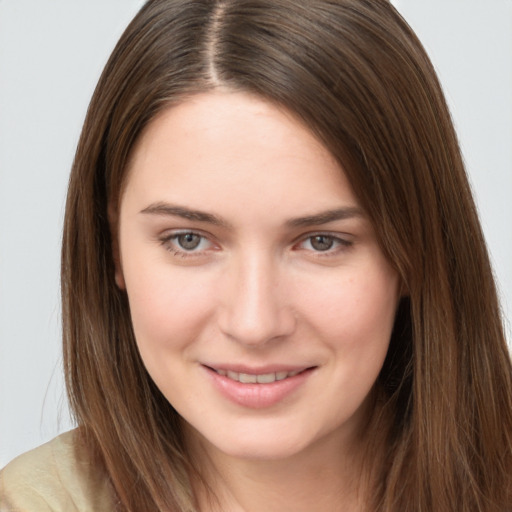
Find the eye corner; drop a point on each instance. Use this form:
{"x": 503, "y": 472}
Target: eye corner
{"x": 324, "y": 243}
{"x": 187, "y": 243}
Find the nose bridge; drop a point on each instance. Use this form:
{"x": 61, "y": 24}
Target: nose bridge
{"x": 255, "y": 307}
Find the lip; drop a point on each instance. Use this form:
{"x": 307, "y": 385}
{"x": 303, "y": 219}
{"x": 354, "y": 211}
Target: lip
{"x": 257, "y": 370}
{"x": 258, "y": 396}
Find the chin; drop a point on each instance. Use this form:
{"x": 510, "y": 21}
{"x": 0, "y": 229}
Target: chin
{"x": 262, "y": 442}
{"x": 269, "y": 449}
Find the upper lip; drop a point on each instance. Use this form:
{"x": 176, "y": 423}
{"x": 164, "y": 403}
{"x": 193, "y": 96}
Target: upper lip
{"x": 258, "y": 370}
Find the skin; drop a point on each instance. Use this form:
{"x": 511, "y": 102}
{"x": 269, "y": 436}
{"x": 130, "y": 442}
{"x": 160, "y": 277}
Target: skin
{"x": 273, "y": 282}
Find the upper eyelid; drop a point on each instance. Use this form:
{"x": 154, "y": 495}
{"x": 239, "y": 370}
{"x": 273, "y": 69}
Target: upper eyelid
{"x": 346, "y": 237}
{"x": 169, "y": 234}
{"x": 169, "y": 243}
{"x": 342, "y": 243}
{"x": 212, "y": 239}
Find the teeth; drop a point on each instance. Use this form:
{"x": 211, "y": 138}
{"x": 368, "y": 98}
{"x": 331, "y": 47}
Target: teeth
{"x": 264, "y": 378}
{"x": 245, "y": 378}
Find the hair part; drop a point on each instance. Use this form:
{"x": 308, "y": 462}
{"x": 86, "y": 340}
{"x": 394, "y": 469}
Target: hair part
{"x": 356, "y": 75}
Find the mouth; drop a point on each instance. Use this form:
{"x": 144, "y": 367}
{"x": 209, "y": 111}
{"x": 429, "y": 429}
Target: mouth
{"x": 258, "y": 378}
{"x": 259, "y": 388}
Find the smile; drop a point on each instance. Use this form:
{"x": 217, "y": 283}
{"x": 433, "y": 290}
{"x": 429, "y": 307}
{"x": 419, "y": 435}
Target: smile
{"x": 258, "y": 388}
{"x": 263, "y": 378}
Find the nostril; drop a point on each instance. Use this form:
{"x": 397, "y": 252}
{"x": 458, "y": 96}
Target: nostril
{"x": 256, "y": 324}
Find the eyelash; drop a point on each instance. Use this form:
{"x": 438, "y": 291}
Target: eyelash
{"x": 170, "y": 244}
{"x": 340, "y": 244}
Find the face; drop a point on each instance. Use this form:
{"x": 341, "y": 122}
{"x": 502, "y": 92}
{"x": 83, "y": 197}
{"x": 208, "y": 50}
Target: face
{"x": 261, "y": 302}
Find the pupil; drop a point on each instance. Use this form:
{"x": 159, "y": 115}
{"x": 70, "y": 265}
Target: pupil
{"x": 189, "y": 241}
{"x": 322, "y": 243}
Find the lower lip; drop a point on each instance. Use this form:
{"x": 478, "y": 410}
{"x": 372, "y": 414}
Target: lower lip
{"x": 258, "y": 396}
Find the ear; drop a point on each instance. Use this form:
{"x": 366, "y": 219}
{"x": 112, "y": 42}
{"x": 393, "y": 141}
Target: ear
{"x": 113, "y": 220}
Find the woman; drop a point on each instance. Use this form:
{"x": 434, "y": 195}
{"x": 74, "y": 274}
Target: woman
{"x": 276, "y": 293}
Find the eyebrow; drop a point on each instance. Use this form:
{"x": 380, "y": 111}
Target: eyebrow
{"x": 184, "y": 213}
{"x": 327, "y": 216}
{"x": 164, "y": 209}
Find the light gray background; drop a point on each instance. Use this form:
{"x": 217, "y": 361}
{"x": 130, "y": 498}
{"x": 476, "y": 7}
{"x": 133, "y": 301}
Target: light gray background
{"x": 51, "y": 55}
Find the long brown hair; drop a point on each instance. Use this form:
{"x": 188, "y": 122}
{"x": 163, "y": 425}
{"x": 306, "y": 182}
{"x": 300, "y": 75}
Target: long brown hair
{"x": 356, "y": 74}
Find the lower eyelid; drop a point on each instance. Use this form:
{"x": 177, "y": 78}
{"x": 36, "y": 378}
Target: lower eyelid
{"x": 168, "y": 241}
{"x": 339, "y": 241}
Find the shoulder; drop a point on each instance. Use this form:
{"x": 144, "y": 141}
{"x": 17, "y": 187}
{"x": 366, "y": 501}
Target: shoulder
{"x": 53, "y": 478}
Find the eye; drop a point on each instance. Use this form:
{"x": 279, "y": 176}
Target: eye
{"x": 321, "y": 242}
{"x": 186, "y": 243}
{"x": 324, "y": 243}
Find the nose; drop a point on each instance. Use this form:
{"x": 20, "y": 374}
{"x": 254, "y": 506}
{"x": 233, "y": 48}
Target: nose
{"x": 254, "y": 302}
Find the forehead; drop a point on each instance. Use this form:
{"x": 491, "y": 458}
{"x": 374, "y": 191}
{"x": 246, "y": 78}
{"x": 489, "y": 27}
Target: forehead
{"x": 234, "y": 147}
{"x": 245, "y": 119}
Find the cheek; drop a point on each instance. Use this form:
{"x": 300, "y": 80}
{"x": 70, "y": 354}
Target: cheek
{"x": 168, "y": 308}
{"x": 355, "y": 314}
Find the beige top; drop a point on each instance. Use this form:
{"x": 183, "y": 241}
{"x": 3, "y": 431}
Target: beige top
{"x": 52, "y": 478}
